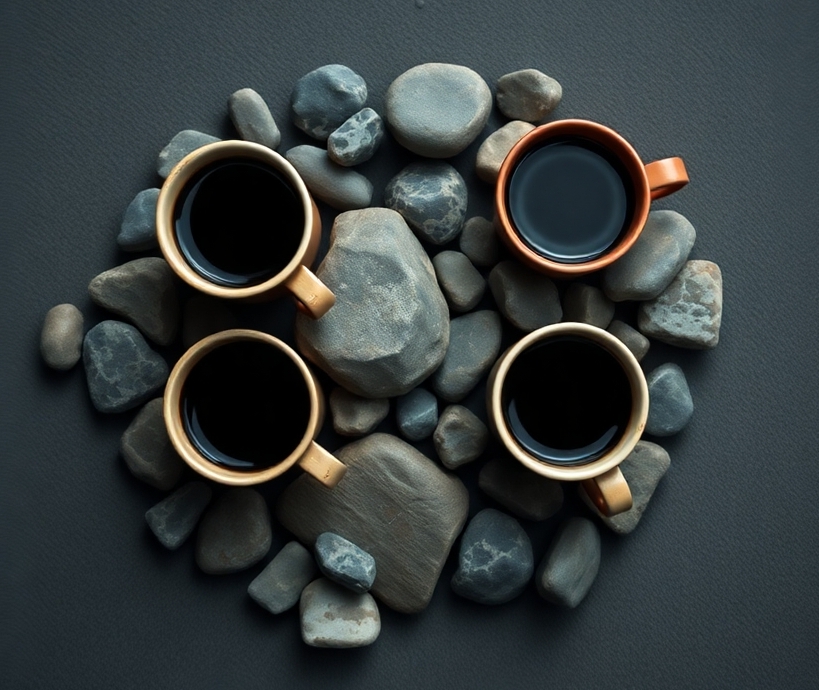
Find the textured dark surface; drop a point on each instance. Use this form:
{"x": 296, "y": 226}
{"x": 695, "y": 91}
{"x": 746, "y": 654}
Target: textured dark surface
{"x": 715, "y": 588}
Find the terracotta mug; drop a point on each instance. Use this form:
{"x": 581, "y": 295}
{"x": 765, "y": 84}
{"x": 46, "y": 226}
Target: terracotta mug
{"x": 573, "y": 196}
{"x": 241, "y": 407}
{"x": 235, "y": 220}
{"x": 569, "y": 401}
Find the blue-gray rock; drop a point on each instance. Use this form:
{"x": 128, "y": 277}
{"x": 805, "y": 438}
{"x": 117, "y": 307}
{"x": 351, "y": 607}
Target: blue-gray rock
{"x": 354, "y": 415}
{"x": 183, "y": 143}
{"x": 357, "y": 139}
{"x": 436, "y": 110}
{"x": 324, "y": 98}
{"x": 432, "y": 198}
{"x": 252, "y": 119}
{"x": 569, "y": 567}
{"x": 631, "y": 338}
{"x": 61, "y": 337}
{"x": 332, "y": 616}
{"x": 689, "y": 311}
{"x": 234, "y": 533}
{"x": 495, "y": 561}
{"x": 174, "y": 518}
{"x": 148, "y": 451}
{"x": 460, "y": 437}
{"x": 479, "y": 241}
{"x": 526, "y": 298}
{"x": 495, "y": 147}
{"x": 670, "y": 403}
{"x": 587, "y": 304}
{"x": 525, "y": 494}
{"x": 389, "y": 328}
{"x": 462, "y": 284}
{"x": 202, "y": 316}
{"x": 474, "y": 343}
{"x": 527, "y": 94}
{"x": 345, "y": 563}
{"x": 652, "y": 262}
{"x": 121, "y": 368}
{"x": 278, "y": 587}
{"x": 336, "y": 186}
{"x": 416, "y": 414}
{"x": 142, "y": 291}
{"x": 138, "y": 230}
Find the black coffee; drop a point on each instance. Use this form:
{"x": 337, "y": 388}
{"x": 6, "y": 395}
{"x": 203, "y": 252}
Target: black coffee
{"x": 245, "y": 405}
{"x": 570, "y": 200}
{"x": 566, "y": 400}
{"x": 238, "y": 222}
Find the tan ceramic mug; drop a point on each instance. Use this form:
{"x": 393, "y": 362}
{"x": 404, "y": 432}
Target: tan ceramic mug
{"x": 242, "y": 407}
{"x": 570, "y": 401}
{"x": 235, "y": 220}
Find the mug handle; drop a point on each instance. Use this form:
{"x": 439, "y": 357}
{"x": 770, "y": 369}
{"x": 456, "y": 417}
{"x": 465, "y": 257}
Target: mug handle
{"x": 322, "y": 465}
{"x": 313, "y": 297}
{"x": 609, "y": 492}
{"x": 666, "y": 176}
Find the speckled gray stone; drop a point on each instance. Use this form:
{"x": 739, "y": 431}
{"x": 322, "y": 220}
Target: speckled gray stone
{"x": 147, "y": 450}
{"x": 345, "y": 563}
{"x": 416, "y": 414}
{"x": 252, "y": 119}
{"x": 354, "y": 415}
{"x": 436, "y": 110}
{"x": 526, "y": 298}
{"x": 525, "y": 494}
{"x": 479, "y": 241}
{"x": 183, "y": 143}
{"x": 587, "y": 304}
{"x": 142, "y": 291}
{"x": 569, "y": 567}
{"x": 357, "y": 139}
{"x": 174, "y": 518}
{"x": 432, "y": 198}
{"x": 336, "y": 186}
{"x": 652, "y": 262}
{"x": 495, "y": 147}
{"x": 462, "y": 284}
{"x": 138, "y": 230}
{"x": 61, "y": 337}
{"x": 121, "y": 369}
{"x": 324, "y": 98}
{"x": 332, "y": 616}
{"x": 460, "y": 437}
{"x": 495, "y": 560}
{"x": 527, "y": 94}
{"x": 670, "y": 403}
{"x": 474, "y": 343}
{"x": 689, "y": 311}
{"x": 278, "y": 587}
{"x": 631, "y": 338}
{"x": 203, "y": 316}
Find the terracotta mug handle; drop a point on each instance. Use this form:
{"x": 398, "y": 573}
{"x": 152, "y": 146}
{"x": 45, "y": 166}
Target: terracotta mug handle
{"x": 609, "y": 492}
{"x": 666, "y": 176}
{"x": 323, "y": 465}
{"x": 312, "y": 296}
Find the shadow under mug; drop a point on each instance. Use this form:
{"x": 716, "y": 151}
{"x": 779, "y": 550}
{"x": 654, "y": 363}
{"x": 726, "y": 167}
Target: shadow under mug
{"x": 600, "y": 475}
{"x": 273, "y": 178}
{"x": 194, "y": 381}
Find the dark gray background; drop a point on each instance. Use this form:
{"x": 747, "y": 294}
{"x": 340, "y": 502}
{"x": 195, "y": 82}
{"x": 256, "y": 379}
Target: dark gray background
{"x": 718, "y": 585}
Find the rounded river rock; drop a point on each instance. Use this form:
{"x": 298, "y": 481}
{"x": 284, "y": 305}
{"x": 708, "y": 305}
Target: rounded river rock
{"x": 61, "y": 337}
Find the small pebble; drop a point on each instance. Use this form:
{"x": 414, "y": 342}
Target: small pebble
{"x": 345, "y": 563}
{"x": 495, "y": 147}
{"x": 587, "y": 304}
{"x": 183, "y": 143}
{"x": 631, "y": 338}
{"x": 138, "y": 230}
{"x": 525, "y": 494}
{"x": 336, "y": 186}
{"x": 569, "y": 567}
{"x": 357, "y": 139}
{"x": 61, "y": 337}
{"x": 354, "y": 415}
{"x": 278, "y": 587}
{"x": 324, "y": 98}
{"x": 462, "y": 284}
{"x": 203, "y": 316}
{"x": 252, "y": 119}
{"x": 416, "y": 414}
{"x": 148, "y": 451}
{"x": 332, "y": 616}
{"x": 670, "y": 403}
{"x": 174, "y": 518}
{"x": 479, "y": 241}
{"x": 460, "y": 437}
{"x": 527, "y": 94}
{"x": 527, "y": 299}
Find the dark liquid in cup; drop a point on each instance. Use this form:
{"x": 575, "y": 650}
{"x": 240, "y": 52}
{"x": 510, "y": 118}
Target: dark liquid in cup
{"x": 245, "y": 405}
{"x": 238, "y": 222}
{"x": 570, "y": 200}
{"x": 566, "y": 400}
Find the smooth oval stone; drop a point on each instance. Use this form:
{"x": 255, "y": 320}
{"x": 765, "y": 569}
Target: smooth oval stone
{"x": 147, "y": 449}
{"x": 357, "y": 140}
{"x": 570, "y": 566}
{"x": 670, "y": 403}
{"x": 138, "y": 230}
{"x": 345, "y": 563}
{"x": 479, "y": 241}
{"x": 183, "y": 143}
{"x": 526, "y": 298}
{"x": 336, "y": 186}
{"x": 354, "y": 415}
{"x": 460, "y": 437}
{"x": 525, "y": 494}
{"x": 252, "y": 119}
{"x": 460, "y": 281}
{"x": 416, "y": 414}
{"x": 631, "y": 338}
{"x": 587, "y": 304}
{"x": 527, "y": 94}
{"x": 61, "y": 337}
{"x": 495, "y": 147}
{"x": 324, "y": 98}
{"x": 174, "y": 518}
{"x": 332, "y": 616}
{"x": 278, "y": 587}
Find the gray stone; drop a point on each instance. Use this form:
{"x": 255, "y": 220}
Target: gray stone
{"x": 357, "y": 139}
{"x": 121, "y": 368}
{"x": 183, "y": 143}
{"x": 689, "y": 312}
{"x": 474, "y": 343}
{"x": 354, "y": 415}
{"x": 324, "y": 98}
{"x": 396, "y": 504}
{"x": 587, "y": 304}
{"x": 61, "y": 337}
{"x": 460, "y": 437}
{"x": 174, "y": 518}
{"x": 436, "y": 110}
{"x": 416, "y": 414}
{"x": 142, "y": 291}
{"x": 432, "y": 198}
{"x": 138, "y": 230}
{"x": 389, "y": 328}
{"x": 148, "y": 451}
{"x": 495, "y": 147}
{"x": 495, "y": 561}
{"x": 652, "y": 262}
{"x": 569, "y": 567}
{"x": 527, "y": 94}
{"x": 252, "y": 119}
{"x": 278, "y": 587}
{"x": 460, "y": 281}
{"x": 527, "y": 299}
{"x": 525, "y": 494}
{"x": 631, "y": 338}
{"x": 336, "y": 186}
{"x": 203, "y": 316}
{"x": 345, "y": 563}
{"x": 234, "y": 533}
{"x": 332, "y": 616}
{"x": 479, "y": 241}
{"x": 670, "y": 403}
